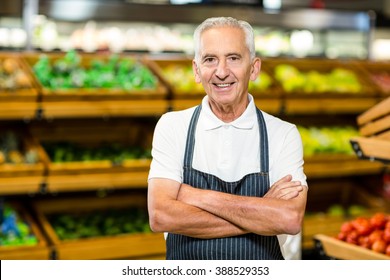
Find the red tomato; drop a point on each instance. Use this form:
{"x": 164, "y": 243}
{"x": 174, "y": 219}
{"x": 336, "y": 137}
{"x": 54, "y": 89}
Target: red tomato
{"x": 341, "y": 236}
{"x": 352, "y": 237}
{"x": 379, "y": 246}
{"x": 378, "y": 220}
{"x": 375, "y": 235}
{"x": 362, "y": 225}
{"x": 386, "y": 235}
{"x": 346, "y": 227}
{"x": 364, "y": 241}
{"x": 387, "y": 252}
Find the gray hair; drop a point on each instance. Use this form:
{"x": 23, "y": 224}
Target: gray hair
{"x": 225, "y": 22}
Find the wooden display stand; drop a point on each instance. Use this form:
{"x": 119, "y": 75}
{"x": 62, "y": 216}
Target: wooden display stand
{"x": 40, "y": 251}
{"x": 374, "y": 144}
{"x": 123, "y": 246}
{"x": 19, "y": 103}
{"x": 95, "y": 174}
{"x": 21, "y": 178}
{"x": 330, "y": 224}
{"x": 92, "y": 102}
{"x": 337, "y": 249}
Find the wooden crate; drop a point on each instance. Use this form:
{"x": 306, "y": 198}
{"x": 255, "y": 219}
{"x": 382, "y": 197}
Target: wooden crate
{"x": 21, "y": 178}
{"x": 40, "y": 251}
{"x": 29, "y": 93}
{"x": 323, "y": 66}
{"x": 328, "y": 224}
{"x": 374, "y": 127}
{"x": 96, "y": 94}
{"x": 123, "y": 246}
{"x": 334, "y": 248}
{"x": 97, "y": 174}
{"x": 339, "y": 165}
{"x": 379, "y": 74}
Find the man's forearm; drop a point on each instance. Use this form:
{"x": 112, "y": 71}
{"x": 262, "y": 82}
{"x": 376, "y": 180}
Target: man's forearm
{"x": 198, "y": 223}
{"x": 266, "y": 216}
{"x": 167, "y": 214}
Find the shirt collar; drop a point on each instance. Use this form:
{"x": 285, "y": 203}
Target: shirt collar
{"x": 245, "y": 121}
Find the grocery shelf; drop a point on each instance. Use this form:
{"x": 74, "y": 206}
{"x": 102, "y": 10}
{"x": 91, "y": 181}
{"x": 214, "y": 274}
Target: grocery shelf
{"x": 122, "y": 246}
{"x": 350, "y": 203}
{"x": 336, "y": 249}
{"x": 374, "y": 128}
{"x": 21, "y": 185}
{"x": 372, "y": 149}
{"x": 340, "y": 165}
{"x": 108, "y": 108}
{"x": 38, "y": 251}
{"x": 18, "y": 110}
{"x": 95, "y": 181}
{"x": 312, "y": 104}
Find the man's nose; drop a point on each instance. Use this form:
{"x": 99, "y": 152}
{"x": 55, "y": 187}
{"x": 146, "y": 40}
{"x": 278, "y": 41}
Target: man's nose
{"x": 222, "y": 70}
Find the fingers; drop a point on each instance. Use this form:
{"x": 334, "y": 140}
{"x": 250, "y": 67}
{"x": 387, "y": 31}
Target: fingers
{"x": 284, "y": 179}
{"x": 285, "y": 188}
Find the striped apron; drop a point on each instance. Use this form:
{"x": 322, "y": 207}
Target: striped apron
{"x": 242, "y": 247}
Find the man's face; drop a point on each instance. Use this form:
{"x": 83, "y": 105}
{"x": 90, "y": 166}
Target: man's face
{"x": 225, "y": 67}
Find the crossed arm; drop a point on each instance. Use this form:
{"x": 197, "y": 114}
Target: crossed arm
{"x": 182, "y": 209}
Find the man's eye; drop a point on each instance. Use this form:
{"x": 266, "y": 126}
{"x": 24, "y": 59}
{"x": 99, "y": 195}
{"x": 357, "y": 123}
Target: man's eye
{"x": 209, "y": 59}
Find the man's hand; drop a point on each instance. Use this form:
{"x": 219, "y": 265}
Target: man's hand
{"x": 285, "y": 188}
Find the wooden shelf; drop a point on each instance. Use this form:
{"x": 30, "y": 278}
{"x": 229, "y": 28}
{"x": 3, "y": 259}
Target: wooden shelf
{"x": 123, "y": 246}
{"x": 109, "y": 108}
{"x": 340, "y": 165}
{"x": 312, "y": 104}
{"x": 21, "y": 185}
{"x": 39, "y": 251}
{"x": 95, "y": 181}
{"x": 18, "y": 110}
{"x": 372, "y": 148}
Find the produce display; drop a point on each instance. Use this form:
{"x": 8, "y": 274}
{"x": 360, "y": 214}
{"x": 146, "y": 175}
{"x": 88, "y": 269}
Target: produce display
{"x": 337, "y": 210}
{"x": 14, "y": 231}
{"x": 382, "y": 80}
{"x": 71, "y": 152}
{"x": 338, "y": 80}
{"x": 369, "y": 232}
{"x": 181, "y": 77}
{"x": 327, "y": 140}
{"x": 12, "y": 77}
{"x": 261, "y": 84}
{"x": 115, "y": 73}
{"x": 12, "y": 151}
{"x": 106, "y": 222}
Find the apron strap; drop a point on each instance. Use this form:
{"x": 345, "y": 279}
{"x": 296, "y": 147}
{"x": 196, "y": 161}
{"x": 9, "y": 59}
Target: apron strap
{"x": 190, "y": 144}
{"x": 264, "y": 157}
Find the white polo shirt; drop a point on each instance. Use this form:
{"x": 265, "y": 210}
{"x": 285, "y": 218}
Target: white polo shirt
{"x": 227, "y": 150}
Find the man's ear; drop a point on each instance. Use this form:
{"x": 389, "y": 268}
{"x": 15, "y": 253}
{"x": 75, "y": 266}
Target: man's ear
{"x": 195, "y": 69}
{"x": 255, "y": 69}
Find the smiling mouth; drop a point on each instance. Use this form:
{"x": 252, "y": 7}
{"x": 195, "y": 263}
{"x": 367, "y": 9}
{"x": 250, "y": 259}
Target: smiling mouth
{"x": 224, "y": 85}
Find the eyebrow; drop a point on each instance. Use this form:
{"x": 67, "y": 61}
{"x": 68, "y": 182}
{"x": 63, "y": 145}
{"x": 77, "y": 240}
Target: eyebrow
{"x": 227, "y": 55}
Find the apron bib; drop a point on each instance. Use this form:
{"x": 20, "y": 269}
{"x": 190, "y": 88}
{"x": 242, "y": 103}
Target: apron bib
{"x": 242, "y": 247}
